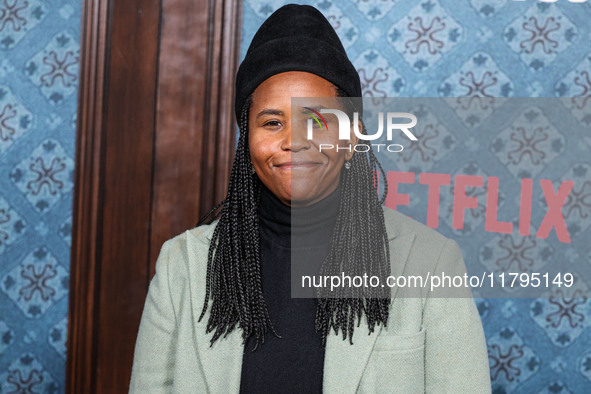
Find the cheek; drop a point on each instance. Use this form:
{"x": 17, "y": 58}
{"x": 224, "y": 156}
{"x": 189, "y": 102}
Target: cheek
{"x": 328, "y": 147}
{"x": 261, "y": 150}
{"x": 336, "y": 164}
{"x": 327, "y": 143}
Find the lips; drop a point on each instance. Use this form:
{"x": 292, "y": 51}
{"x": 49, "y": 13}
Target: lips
{"x": 288, "y": 165}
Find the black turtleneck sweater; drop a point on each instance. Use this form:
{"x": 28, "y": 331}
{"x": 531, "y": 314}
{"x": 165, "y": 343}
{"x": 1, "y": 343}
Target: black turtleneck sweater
{"x": 293, "y": 363}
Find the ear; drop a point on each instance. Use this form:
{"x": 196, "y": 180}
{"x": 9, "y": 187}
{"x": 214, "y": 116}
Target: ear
{"x": 353, "y": 140}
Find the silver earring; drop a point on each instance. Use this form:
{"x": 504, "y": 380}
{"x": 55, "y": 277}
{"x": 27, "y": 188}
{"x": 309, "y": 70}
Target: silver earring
{"x": 347, "y": 165}
{"x": 252, "y": 171}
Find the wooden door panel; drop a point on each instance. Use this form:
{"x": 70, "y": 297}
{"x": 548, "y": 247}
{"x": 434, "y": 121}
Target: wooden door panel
{"x": 155, "y": 141}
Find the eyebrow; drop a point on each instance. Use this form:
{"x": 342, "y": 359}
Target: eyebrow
{"x": 270, "y": 111}
{"x": 316, "y": 108}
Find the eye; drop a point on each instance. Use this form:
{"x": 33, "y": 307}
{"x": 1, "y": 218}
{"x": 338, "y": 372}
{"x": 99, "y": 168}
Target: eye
{"x": 272, "y": 123}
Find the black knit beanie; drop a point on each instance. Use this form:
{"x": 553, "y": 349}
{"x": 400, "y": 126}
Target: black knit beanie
{"x": 295, "y": 38}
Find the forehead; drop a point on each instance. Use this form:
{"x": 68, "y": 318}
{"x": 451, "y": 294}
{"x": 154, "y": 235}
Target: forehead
{"x": 280, "y": 88}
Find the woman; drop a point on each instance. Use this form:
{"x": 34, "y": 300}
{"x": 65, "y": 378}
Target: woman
{"x": 219, "y": 316}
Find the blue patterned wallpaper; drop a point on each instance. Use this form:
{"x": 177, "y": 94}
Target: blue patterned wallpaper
{"x": 39, "y": 57}
{"x": 501, "y": 48}
{"x": 528, "y": 48}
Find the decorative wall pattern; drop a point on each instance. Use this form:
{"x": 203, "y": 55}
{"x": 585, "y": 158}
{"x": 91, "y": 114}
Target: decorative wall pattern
{"x": 500, "y": 48}
{"x": 39, "y": 57}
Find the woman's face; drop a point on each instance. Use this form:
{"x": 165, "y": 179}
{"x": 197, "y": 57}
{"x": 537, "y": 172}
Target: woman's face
{"x": 297, "y": 170}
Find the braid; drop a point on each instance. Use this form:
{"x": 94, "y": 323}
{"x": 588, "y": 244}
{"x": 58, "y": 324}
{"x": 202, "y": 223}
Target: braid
{"x": 359, "y": 245}
{"x": 233, "y": 279}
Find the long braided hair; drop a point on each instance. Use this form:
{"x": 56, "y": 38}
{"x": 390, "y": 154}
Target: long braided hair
{"x": 359, "y": 241}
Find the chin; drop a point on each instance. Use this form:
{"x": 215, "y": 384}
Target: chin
{"x": 302, "y": 195}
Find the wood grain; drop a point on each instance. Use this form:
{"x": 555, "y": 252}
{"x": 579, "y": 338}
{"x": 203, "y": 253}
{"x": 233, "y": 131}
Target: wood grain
{"x": 86, "y": 230}
{"x": 155, "y": 143}
{"x": 195, "y": 139}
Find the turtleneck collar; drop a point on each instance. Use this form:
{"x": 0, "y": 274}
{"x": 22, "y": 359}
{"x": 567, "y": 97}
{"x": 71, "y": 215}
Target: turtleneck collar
{"x": 302, "y": 226}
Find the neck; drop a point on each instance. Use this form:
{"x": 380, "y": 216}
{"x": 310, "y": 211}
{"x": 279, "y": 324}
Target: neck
{"x": 298, "y": 226}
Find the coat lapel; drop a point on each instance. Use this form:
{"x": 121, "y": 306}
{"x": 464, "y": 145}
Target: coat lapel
{"x": 344, "y": 363}
{"x": 222, "y": 362}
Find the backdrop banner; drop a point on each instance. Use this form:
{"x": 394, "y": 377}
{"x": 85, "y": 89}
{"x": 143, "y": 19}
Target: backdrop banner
{"x": 508, "y": 179}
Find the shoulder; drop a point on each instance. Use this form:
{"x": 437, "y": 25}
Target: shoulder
{"x": 399, "y": 225}
{"x": 181, "y": 267}
{"x": 199, "y": 236}
{"x": 420, "y": 248}
{"x": 186, "y": 253}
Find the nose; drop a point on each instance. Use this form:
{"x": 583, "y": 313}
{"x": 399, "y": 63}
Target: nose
{"x": 295, "y": 138}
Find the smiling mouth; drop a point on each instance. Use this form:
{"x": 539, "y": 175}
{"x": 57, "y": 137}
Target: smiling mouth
{"x": 294, "y": 165}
